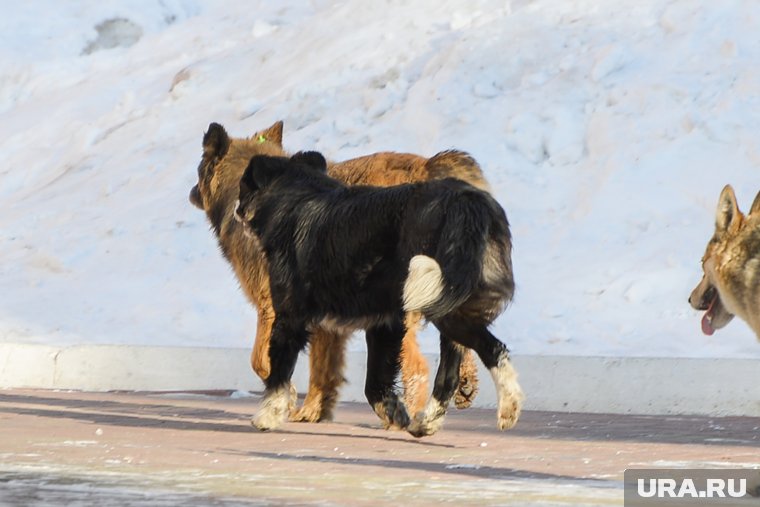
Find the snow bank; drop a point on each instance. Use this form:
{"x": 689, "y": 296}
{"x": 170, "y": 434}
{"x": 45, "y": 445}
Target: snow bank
{"x": 607, "y": 130}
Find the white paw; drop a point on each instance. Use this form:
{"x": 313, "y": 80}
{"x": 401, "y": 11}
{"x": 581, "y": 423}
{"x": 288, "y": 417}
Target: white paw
{"x": 509, "y": 393}
{"x": 429, "y": 421}
{"x": 274, "y": 409}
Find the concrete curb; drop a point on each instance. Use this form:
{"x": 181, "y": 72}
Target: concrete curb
{"x": 718, "y": 387}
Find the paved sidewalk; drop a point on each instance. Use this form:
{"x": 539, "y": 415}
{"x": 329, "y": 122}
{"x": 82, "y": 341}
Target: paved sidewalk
{"x": 139, "y": 449}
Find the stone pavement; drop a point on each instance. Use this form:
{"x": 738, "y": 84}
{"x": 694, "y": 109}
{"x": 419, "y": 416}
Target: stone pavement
{"x": 151, "y": 449}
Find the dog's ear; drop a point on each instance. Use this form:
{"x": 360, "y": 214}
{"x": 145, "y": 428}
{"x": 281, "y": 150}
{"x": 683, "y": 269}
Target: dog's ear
{"x": 727, "y": 215}
{"x": 262, "y": 170}
{"x": 247, "y": 182}
{"x": 216, "y": 142}
{"x": 755, "y": 205}
{"x": 272, "y": 134}
{"x": 313, "y": 159}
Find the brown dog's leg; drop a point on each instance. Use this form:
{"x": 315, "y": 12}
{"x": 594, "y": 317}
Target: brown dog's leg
{"x": 327, "y": 359}
{"x": 415, "y": 373}
{"x": 468, "y": 381}
{"x": 260, "y": 352}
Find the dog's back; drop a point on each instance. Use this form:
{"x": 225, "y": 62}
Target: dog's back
{"x": 391, "y": 168}
{"x": 355, "y": 252}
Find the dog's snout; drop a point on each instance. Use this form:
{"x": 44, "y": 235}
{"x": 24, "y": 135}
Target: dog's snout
{"x": 195, "y": 197}
{"x": 708, "y": 297}
{"x": 703, "y": 300}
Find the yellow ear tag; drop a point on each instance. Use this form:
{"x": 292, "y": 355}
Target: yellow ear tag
{"x": 261, "y": 138}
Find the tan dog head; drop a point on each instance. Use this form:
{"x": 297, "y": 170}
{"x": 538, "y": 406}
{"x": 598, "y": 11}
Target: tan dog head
{"x": 220, "y": 168}
{"x": 722, "y": 292}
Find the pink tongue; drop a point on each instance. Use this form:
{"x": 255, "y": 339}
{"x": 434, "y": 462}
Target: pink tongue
{"x": 707, "y": 318}
{"x": 706, "y": 325}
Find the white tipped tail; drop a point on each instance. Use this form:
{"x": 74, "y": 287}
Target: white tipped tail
{"x": 424, "y": 285}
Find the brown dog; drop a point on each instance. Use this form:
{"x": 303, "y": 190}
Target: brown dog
{"x": 730, "y": 283}
{"x": 224, "y": 160}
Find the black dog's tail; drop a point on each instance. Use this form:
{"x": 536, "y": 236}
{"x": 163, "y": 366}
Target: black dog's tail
{"x": 473, "y": 253}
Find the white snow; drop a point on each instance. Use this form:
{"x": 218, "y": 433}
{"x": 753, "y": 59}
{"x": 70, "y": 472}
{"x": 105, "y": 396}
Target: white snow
{"x": 607, "y": 130}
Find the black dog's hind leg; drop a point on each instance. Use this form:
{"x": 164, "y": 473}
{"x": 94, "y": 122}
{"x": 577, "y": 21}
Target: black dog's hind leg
{"x": 430, "y": 419}
{"x": 495, "y": 356}
{"x": 383, "y": 353}
{"x": 289, "y": 337}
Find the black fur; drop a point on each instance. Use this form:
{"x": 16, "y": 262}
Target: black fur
{"x": 343, "y": 253}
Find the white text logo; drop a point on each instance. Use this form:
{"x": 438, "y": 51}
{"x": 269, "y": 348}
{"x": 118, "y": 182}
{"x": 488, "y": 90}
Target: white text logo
{"x": 670, "y": 488}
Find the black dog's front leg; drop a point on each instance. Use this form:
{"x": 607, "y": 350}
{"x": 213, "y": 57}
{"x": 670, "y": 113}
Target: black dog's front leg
{"x": 383, "y": 354}
{"x": 289, "y": 337}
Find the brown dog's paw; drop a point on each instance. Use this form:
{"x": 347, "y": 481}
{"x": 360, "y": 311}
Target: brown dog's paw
{"x": 429, "y": 421}
{"x": 311, "y": 413}
{"x": 317, "y": 407}
{"x": 465, "y": 395}
{"x": 468, "y": 382}
{"x": 306, "y": 414}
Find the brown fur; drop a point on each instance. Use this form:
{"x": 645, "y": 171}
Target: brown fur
{"x": 730, "y": 283}
{"x": 216, "y": 193}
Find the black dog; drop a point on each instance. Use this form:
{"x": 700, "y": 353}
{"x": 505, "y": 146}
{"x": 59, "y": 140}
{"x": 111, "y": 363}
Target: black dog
{"x": 362, "y": 257}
